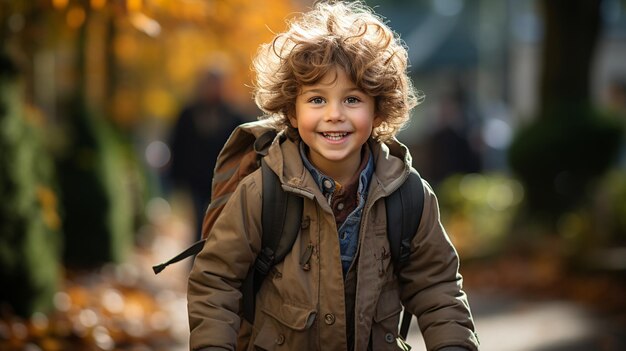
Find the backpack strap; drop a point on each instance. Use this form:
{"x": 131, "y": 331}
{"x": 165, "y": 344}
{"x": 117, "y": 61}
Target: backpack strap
{"x": 281, "y": 215}
{"x": 404, "y": 213}
{"x": 194, "y": 249}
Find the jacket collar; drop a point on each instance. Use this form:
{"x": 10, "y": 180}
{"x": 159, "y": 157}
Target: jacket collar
{"x": 392, "y": 166}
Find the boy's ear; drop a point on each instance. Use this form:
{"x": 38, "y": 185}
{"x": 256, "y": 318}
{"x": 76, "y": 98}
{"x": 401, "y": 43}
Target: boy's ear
{"x": 378, "y": 121}
{"x": 293, "y": 121}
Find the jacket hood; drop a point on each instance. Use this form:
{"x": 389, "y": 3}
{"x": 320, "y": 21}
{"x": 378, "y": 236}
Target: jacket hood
{"x": 393, "y": 163}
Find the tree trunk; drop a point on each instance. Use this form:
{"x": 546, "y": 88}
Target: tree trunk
{"x": 570, "y": 36}
{"x": 568, "y": 144}
{"x": 98, "y": 223}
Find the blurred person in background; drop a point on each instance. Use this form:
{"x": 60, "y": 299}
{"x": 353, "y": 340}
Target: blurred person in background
{"x": 450, "y": 149}
{"x": 201, "y": 130}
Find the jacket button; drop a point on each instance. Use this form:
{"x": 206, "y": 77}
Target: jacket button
{"x": 329, "y": 318}
{"x": 305, "y": 223}
{"x": 327, "y": 184}
{"x": 389, "y": 338}
{"x": 280, "y": 339}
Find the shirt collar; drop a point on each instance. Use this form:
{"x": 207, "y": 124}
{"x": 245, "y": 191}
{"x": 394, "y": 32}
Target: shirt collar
{"x": 326, "y": 184}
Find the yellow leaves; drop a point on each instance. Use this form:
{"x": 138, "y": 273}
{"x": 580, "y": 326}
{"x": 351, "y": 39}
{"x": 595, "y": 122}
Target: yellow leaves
{"x": 134, "y": 5}
{"x": 102, "y": 311}
{"x": 188, "y": 51}
{"x": 59, "y": 4}
{"x": 75, "y": 17}
{"x": 124, "y": 109}
{"x": 130, "y": 106}
{"x": 97, "y": 4}
{"x": 126, "y": 48}
{"x": 48, "y": 200}
{"x": 159, "y": 48}
{"x": 159, "y": 103}
{"x": 187, "y": 10}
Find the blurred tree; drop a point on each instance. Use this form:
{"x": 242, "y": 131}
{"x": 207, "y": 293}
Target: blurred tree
{"x": 97, "y": 225}
{"x": 569, "y": 144}
{"x": 29, "y": 222}
{"x": 97, "y": 222}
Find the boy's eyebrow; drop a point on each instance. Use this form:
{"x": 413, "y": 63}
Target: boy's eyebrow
{"x": 322, "y": 90}
{"x": 310, "y": 90}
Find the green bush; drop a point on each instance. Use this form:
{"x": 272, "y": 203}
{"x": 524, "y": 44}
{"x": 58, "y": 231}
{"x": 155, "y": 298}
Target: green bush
{"x": 593, "y": 236}
{"x": 98, "y": 218}
{"x": 558, "y": 157}
{"x": 609, "y": 208}
{"x": 29, "y": 223}
{"x": 478, "y": 211}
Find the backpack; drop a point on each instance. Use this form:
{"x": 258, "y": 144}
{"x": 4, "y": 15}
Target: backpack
{"x": 281, "y": 211}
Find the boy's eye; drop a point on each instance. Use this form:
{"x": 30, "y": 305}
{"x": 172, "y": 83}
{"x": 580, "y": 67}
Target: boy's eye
{"x": 352, "y": 100}
{"x": 316, "y": 100}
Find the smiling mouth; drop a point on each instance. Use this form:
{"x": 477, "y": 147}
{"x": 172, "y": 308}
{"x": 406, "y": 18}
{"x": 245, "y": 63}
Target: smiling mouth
{"x": 334, "y": 135}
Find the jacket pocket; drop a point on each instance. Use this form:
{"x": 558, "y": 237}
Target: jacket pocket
{"x": 285, "y": 327}
{"x": 386, "y": 319}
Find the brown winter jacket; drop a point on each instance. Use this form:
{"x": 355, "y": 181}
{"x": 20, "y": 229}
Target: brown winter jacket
{"x": 303, "y": 308}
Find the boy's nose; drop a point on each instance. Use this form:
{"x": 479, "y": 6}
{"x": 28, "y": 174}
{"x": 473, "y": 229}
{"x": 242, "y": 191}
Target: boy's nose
{"x": 334, "y": 112}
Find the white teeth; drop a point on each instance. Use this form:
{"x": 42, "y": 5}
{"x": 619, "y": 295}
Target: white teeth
{"x": 334, "y": 135}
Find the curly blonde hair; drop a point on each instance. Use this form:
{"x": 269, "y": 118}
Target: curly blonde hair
{"x": 336, "y": 34}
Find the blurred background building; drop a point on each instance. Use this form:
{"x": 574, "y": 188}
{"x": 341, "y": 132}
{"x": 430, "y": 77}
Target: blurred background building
{"x": 521, "y": 134}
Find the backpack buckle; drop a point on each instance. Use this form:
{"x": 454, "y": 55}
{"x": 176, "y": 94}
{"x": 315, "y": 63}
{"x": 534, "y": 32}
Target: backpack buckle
{"x": 262, "y": 143}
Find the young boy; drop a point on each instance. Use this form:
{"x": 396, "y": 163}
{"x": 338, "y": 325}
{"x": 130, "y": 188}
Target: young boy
{"x": 336, "y": 85}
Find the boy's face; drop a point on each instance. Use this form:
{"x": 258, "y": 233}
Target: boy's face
{"x": 334, "y": 118}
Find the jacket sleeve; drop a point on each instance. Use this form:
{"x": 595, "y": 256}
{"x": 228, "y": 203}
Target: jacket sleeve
{"x": 213, "y": 293}
{"x": 432, "y": 286}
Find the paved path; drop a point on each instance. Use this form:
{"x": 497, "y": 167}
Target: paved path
{"x": 512, "y": 324}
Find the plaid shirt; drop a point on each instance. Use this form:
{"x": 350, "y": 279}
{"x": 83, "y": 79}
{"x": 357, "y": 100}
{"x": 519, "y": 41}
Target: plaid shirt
{"x": 347, "y": 201}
